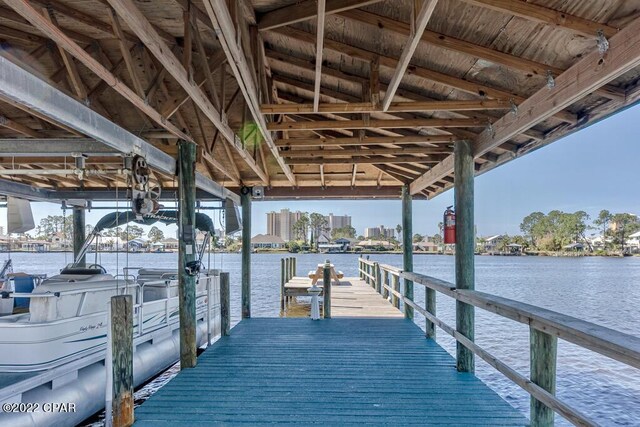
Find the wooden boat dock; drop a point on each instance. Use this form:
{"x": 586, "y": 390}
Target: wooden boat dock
{"x": 336, "y": 371}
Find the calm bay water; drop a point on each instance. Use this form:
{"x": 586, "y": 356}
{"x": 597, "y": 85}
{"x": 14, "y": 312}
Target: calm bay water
{"x": 605, "y": 291}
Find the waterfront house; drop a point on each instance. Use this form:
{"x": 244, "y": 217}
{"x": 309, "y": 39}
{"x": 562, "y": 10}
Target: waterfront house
{"x": 494, "y": 243}
{"x": 267, "y": 241}
{"x": 345, "y": 243}
{"x": 426, "y": 246}
{"x": 375, "y": 245}
{"x": 170, "y": 244}
{"x": 633, "y": 242}
{"x": 36, "y": 246}
{"x": 138, "y": 244}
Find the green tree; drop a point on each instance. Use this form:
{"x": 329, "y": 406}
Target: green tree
{"x": 360, "y": 237}
{"x": 399, "y": 231}
{"x": 623, "y": 225}
{"x": 318, "y": 224}
{"x": 131, "y": 232}
{"x": 418, "y": 238}
{"x": 347, "y": 232}
{"x": 603, "y": 220}
{"x": 293, "y": 246}
{"x": 155, "y": 234}
{"x": 437, "y": 239}
{"x": 535, "y": 227}
{"x": 301, "y": 228}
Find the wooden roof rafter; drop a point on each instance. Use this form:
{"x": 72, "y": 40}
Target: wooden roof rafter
{"x": 138, "y": 23}
{"x": 418, "y": 25}
{"x": 478, "y": 89}
{"x": 476, "y": 50}
{"x": 319, "y": 43}
{"x": 226, "y": 31}
{"x": 304, "y": 10}
{"x": 591, "y": 72}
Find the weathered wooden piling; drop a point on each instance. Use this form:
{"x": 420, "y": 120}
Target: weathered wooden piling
{"x": 283, "y": 282}
{"x": 225, "y": 303}
{"x": 246, "y": 252}
{"x": 407, "y": 247}
{"x": 122, "y": 357}
{"x": 326, "y": 283}
{"x": 465, "y": 248}
{"x": 78, "y": 233}
{"x": 187, "y": 253}
{"x": 544, "y": 349}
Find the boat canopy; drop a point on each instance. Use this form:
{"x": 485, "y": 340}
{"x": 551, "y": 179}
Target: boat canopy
{"x": 117, "y": 219}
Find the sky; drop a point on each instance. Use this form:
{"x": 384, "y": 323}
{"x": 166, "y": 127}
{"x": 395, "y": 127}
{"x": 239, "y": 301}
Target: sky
{"x": 596, "y": 168}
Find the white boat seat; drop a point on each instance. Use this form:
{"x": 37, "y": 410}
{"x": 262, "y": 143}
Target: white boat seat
{"x": 64, "y": 306}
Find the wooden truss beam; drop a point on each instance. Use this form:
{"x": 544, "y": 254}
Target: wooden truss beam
{"x": 226, "y": 32}
{"x": 304, "y": 10}
{"x": 360, "y": 152}
{"x": 475, "y": 50}
{"x": 371, "y": 140}
{"x": 380, "y": 124}
{"x": 363, "y": 160}
{"x": 590, "y": 73}
{"x": 301, "y": 63}
{"x": 400, "y": 107}
{"x": 139, "y": 24}
{"x": 319, "y": 40}
{"x": 24, "y": 8}
{"x": 544, "y": 15}
{"x": 18, "y": 127}
{"x": 467, "y": 86}
{"x": 421, "y": 18}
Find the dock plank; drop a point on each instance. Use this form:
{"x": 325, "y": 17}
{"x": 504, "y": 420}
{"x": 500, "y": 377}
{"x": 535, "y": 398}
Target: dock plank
{"x": 338, "y": 371}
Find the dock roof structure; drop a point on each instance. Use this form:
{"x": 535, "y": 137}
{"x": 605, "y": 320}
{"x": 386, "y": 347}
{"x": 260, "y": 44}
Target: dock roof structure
{"x": 351, "y": 98}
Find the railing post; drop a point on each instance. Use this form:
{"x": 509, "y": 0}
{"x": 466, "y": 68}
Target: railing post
{"x": 283, "y": 281}
{"x": 294, "y": 267}
{"x": 360, "y": 268}
{"x": 385, "y": 281}
{"x": 378, "y": 276}
{"x": 465, "y": 247}
{"x": 122, "y": 357}
{"x": 225, "y": 303}
{"x": 326, "y": 283}
{"x": 395, "y": 285}
{"x": 430, "y": 305}
{"x": 544, "y": 348}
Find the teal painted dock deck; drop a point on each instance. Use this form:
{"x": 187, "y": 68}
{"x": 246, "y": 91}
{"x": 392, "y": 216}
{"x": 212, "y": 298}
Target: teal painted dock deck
{"x": 332, "y": 372}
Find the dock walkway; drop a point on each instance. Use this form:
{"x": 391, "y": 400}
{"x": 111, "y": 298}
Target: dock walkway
{"x": 351, "y": 298}
{"x": 336, "y": 371}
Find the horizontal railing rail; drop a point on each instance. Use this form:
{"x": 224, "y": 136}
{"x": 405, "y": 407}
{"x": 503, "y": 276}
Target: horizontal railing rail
{"x": 613, "y": 344}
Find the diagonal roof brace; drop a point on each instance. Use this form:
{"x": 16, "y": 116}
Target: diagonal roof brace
{"x": 28, "y": 90}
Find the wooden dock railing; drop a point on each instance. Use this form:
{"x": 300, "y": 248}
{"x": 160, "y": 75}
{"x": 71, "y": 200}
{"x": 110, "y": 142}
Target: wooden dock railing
{"x": 288, "y": 267}
{"x": 545, "y": 326}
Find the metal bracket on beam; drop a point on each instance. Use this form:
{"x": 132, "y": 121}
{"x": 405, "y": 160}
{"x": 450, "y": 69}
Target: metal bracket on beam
{"x": 602, "y": 42}
{"x": 551, "y": 82}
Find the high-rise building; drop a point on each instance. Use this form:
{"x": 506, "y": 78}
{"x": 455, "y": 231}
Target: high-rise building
{"x": 377, "y": 232}
{"x": 338, "y": 221}
{"x": 281, "y": 224}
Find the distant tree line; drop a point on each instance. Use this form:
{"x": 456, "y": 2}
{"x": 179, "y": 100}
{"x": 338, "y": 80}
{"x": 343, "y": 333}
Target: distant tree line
{"x": 557, "y": 229}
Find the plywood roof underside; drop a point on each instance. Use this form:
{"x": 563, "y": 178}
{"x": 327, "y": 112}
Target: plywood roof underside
{"x": 491, "y": 55}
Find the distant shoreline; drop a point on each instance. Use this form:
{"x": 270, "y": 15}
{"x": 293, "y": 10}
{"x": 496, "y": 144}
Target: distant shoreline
{"x": 540, "y": 254}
